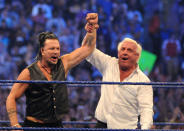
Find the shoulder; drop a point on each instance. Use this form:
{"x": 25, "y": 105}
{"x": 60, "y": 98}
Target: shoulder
{"x": 31, "y": 65}
{"x": 24, "y": 75}
{"x": 64, "y": 59}
{"x": 143, "y": 77}
{"x": 113, "y": 61}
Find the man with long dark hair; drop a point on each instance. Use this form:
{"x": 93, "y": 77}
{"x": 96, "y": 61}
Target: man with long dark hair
{"x": 46, "y": 103}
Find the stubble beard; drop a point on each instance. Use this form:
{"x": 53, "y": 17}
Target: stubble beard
{"x": 124, "y": 68}
{"x": 51, "y": 64}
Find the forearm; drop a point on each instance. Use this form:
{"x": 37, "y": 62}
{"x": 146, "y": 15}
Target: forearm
{"x": 89, "y": 40}
{"x": 88, "y": 45}
{"x": 145, "y": 101}
{"x": 75, "y": 57}
{"x": 11, "y": 110}
{"x": 146, "y": 119}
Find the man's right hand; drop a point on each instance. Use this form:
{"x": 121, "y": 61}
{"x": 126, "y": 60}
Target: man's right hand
{"x": 92, "y": 22}
{"x": 17, "y": 126}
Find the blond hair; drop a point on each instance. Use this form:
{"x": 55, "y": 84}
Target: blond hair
{"x": 139, "y": 47}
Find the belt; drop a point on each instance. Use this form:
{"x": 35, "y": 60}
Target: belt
{"x": 30, "y": 118}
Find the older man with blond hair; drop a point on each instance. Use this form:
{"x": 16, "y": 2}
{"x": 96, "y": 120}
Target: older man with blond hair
{"x": 120, "y": 105}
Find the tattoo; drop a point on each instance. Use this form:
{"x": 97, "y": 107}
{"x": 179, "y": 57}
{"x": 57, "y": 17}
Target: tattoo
{"x": 90, "y": 39}
{"x": 11, "y": 112}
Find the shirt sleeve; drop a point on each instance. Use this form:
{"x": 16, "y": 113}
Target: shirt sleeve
{"x": 99, "y": 60}
{"x": 145, "y": 99}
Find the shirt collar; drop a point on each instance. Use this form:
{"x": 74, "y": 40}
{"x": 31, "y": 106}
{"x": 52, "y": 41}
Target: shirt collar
{"x": 133, "y": 73}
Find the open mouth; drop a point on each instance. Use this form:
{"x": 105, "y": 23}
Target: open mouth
{"x": 54, "y": 58}
{"x": 124, "y": 58}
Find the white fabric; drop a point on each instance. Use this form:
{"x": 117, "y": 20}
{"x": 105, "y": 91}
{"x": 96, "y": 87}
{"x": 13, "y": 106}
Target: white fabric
{"x": 120, "y": 105}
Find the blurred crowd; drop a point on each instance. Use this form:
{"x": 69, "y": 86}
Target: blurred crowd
{"x": 157, "y": 24}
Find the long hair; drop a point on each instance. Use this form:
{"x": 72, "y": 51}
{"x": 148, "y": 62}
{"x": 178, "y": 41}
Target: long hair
{"x": 41, "y": 40}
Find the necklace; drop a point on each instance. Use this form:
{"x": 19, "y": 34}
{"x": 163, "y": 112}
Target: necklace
{"x": 45, "y": 68}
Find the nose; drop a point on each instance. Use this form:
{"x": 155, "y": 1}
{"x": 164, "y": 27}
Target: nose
{"x": 124, "y": 52}
{"x": 56, "y": 51}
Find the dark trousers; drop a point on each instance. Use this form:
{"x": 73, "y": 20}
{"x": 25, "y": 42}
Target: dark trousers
{"x": 28, "y": 123}
{"x": 101, "y": 124}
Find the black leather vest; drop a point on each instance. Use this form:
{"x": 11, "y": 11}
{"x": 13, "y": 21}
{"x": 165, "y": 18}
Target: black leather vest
{"x": 47, "y": 102}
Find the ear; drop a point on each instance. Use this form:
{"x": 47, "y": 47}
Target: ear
{"x": 118, "y": 54}
{"x": 41, "y": 50}
{"x": 137, "y": 56}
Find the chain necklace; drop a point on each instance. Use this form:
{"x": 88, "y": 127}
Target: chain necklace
{"x": 45, "y": 68}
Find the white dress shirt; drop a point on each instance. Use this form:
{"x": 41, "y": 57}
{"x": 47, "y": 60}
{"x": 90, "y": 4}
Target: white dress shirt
{"x": 120, "y": 105}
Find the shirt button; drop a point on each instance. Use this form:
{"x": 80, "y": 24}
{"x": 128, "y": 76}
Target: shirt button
{"x": 54, "y": 99}
{"x": 54, "y": 107}
{"x": 53, "y": 91}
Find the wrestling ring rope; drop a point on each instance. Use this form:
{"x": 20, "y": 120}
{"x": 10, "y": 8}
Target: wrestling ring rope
{"x": 165, "y": 85}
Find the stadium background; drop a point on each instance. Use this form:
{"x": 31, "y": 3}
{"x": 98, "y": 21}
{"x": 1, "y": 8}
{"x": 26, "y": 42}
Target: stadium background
{"x": 153, "y": 23}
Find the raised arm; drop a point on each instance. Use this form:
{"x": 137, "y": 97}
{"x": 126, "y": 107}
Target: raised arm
{"x": 89, "y": 42}
{"x": 17, "y": 91}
